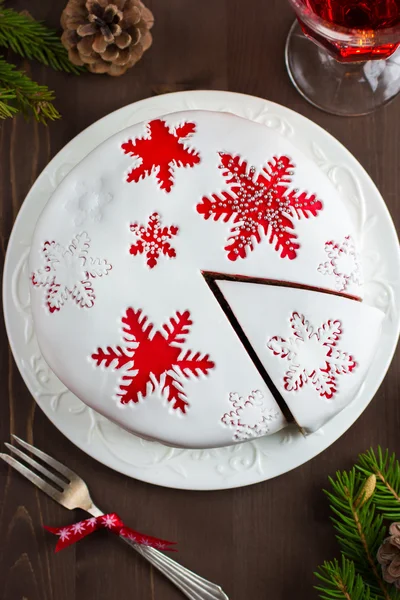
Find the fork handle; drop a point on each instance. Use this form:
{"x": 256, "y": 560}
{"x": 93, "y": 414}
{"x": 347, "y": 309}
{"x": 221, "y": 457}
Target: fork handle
{"x": 191, "y": 585}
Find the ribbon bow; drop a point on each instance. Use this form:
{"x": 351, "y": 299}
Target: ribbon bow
{"x": 73, "y": 533}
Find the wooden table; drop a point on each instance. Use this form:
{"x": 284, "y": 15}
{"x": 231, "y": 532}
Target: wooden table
{"x": 260, "y": 542}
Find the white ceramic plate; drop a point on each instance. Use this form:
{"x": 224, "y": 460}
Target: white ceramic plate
{"x": 252, "y": 461}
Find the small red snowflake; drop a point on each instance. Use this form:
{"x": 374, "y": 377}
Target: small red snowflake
{"x": 68, "y": 272}
{"x": 152, "y": 240}
{"x": 259, "y": 204}
{"x": 313, "y": 356}
{"x": 160, "y": 152}
{"x": 154, "y": 358}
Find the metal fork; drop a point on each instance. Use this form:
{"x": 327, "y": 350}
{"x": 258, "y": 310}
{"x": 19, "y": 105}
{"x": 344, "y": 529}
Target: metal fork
{"x": 75, "y": 494}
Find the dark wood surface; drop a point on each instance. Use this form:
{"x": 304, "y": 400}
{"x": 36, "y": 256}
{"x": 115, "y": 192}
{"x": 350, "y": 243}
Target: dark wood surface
{"x": 258, "y": 542}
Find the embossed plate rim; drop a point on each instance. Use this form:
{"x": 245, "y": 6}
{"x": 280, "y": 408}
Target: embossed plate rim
{"x": 224, "y": 468}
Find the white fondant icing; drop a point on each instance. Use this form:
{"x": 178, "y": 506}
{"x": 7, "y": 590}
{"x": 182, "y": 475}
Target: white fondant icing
{"x": 87, "y": 201}
{"x": 69, "y": 337}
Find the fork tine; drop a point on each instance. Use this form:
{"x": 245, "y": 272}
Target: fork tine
{"x": 57, "y": 466}
{"x": 61, "y": 484}
{"x": 38, "y": 481}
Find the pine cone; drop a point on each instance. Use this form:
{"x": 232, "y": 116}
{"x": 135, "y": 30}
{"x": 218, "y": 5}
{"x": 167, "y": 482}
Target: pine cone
{"x": 109, "y": 37}
{"x": 389, "y": 556}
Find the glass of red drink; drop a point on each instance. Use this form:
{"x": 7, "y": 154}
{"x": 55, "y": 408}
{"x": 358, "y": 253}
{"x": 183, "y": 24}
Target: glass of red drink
{"x": 342, "y": 55}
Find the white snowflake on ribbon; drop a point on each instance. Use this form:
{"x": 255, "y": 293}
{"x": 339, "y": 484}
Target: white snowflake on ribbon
{"x": 78, "y": 527}
{"x": 130, "y": 536}
{"x": 250, "y": 417}
{"x": 91, "y": 522}
{"x": 88, "y": 201}
{"x": 313, "y": 356}
{"x": 343, "y": 263}
{"x": 68, "y": 272}
{"x": 161, "y": 545}
{"x": 109, "y": 521}
{"x": 64, "y": 534}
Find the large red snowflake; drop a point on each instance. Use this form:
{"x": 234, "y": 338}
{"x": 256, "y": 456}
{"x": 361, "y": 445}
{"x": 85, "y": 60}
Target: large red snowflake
{"x": 162, "y": 150}
{"x": 153, "y": 240}
{"x": 154, "y": 358}
{"x": 259, "y": 204}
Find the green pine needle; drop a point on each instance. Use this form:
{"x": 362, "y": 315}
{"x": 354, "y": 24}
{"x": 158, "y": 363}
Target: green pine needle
{"x": 387, "y": 470}
{"x": 34, "y": 40}
{"x": 360, "y": 501}
{"x": 340, "y": 582}
{"x": 19, "y": 93}
{"x": 7, "y": 109}
{"x": 360, "y": 530}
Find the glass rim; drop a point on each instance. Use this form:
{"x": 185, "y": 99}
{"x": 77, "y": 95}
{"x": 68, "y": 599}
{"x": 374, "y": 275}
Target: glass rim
{"x": 345, "y": 34}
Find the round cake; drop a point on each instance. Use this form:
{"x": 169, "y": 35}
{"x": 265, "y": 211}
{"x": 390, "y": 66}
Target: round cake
{"x": 196, "y": 279}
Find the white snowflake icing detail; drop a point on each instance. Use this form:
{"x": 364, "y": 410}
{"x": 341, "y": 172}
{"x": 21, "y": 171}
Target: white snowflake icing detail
{"x": 78, "y": 527}
{"x": 68, "y": 272}
{"x": 88, "y": 202}
{"x": 250, "y": 416}
{"x": 64, "y": 534}
{"x": 313, "y": 356}
{"x": 109, "y": 521}
{"x": 343, "y": 263}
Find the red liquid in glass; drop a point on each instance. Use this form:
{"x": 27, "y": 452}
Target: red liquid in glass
{"x": 370, "y": 15}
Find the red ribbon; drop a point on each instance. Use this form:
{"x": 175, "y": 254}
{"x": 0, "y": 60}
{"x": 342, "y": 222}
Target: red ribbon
{"x": 73, "y": 533}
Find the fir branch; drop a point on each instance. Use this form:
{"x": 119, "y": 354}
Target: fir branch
{"x": 340, "y": 582}
{"x": 386, "y": 468}
{"x": 7, "y": 109}
{"x": 32, "y": 39}
{"x": 360, "y": 529}
{"x": 22, "y": 94}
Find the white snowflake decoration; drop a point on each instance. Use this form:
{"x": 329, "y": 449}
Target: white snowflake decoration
{"x": 88, "y": 202}
{"x": 313, "y": 356}
{"x": 68, "y": 272}
{"x": 92, "y": 522}
{"x": 64, "y": 534}
{"x": 161, "y": 545}
{"x": 343, "y": 263}
{"x": 250, "y": 416}
{"x": 78, "y": 527}
{"x": 131, "y": 537}
{"x": 109, "y": 521}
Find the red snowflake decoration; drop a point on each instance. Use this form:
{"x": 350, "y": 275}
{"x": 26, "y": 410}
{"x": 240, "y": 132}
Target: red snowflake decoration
{"x": 153, "y": 240}
{"x": 162, "y": 150}
{"x": 313, "y": 356}
{"x": 68, "y": 272}
{"x": 259, "y": 205}
{"x": 154, "y": 358}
